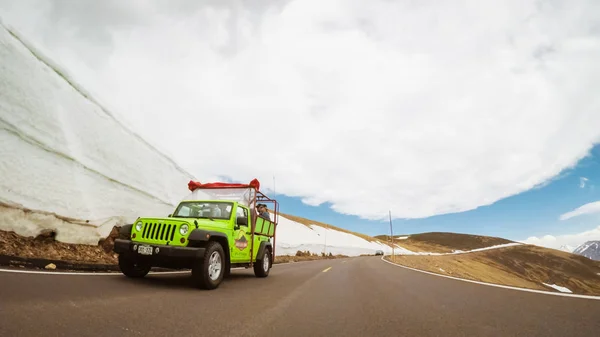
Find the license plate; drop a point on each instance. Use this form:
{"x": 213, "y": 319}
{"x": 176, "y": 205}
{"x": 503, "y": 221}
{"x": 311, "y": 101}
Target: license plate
{"x": 145, "y": 250}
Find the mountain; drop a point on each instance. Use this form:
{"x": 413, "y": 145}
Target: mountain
{"x": 590, "y": 249}
{"x": 567, "y": 248}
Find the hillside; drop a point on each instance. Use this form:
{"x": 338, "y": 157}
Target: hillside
{"x": 520, "y": 265}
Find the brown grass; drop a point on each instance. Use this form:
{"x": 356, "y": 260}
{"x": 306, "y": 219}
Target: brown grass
{"x": 523, "y": 266}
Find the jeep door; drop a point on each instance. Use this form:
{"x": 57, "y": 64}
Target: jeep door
{"x": 241, "y": 236}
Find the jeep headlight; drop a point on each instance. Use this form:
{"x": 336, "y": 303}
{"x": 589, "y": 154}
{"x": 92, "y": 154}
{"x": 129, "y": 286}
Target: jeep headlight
{"x": 138, "y": 226}
{"x": 184, "y": 229}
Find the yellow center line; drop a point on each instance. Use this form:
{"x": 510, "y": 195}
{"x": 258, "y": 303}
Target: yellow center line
{"x": 326, "y": 270}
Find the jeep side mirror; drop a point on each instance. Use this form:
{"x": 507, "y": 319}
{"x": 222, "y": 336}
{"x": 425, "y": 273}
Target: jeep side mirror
{"x": 170, "y": 215}
{"x": 242, "y": 221}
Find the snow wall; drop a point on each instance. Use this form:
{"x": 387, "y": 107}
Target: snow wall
{"x": 65, "y": 162}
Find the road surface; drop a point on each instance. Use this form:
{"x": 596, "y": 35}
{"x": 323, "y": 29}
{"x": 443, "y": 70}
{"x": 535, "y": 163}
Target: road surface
{"x": 348, "y": 297}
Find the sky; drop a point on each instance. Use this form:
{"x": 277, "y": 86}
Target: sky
{"x": 465, "y": 116}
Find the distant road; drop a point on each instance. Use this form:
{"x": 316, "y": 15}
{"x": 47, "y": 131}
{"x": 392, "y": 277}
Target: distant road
{"x": 348, "y": 297}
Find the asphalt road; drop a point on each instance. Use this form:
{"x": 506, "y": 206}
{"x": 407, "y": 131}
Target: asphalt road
{"x": 348, "y": 297}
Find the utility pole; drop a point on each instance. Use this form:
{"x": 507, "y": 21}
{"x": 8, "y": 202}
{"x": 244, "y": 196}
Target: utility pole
{"x": 392, "y": 235}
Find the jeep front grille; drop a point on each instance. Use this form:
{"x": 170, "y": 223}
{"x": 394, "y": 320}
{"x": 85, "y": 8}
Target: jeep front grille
{"x": 159, "y": 231}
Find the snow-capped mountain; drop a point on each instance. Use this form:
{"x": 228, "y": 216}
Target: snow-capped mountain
{"x": 590, "y": 249}
{"x": 567, "y": 248}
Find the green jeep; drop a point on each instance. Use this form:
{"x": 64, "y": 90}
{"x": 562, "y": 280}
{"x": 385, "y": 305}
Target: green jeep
{"x": 214, "y": 229}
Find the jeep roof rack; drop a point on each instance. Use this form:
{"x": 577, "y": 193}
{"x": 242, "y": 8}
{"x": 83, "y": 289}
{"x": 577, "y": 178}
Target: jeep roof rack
{"x": 250, "y": 200}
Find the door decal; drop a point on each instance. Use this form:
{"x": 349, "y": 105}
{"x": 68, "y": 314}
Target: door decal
{"x": 241, "y": 242}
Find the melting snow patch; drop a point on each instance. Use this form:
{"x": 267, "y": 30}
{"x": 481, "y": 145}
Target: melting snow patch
{"x": 559, "y": 288}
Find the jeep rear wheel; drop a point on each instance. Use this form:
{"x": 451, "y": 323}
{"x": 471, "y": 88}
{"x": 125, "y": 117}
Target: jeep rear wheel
{"x": 208, "y": 272}
{"x": 263, "y": 266}
{"x": 132, "y": 269}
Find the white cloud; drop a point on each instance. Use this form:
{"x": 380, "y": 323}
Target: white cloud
{"x": 573, "y": 240}
{"x": 369, "y": 105}
{"x": 589, "y": 208}
{"x": 582, "y": 181}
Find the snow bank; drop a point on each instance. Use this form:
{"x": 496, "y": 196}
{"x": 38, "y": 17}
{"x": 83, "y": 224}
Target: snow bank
{"x": 63, "y": 153}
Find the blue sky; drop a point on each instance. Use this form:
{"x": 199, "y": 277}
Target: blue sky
{"x": 532, "y": 213}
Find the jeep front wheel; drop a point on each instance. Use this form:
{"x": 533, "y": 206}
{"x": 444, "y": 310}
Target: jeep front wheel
{"x": 132, "y": 269}
{"x": 263, "y": 266}
{"x": 208, "y": 272}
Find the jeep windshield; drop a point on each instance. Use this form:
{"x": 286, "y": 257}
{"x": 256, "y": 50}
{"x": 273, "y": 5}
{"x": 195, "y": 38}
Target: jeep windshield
{"x": 204, "y": 209}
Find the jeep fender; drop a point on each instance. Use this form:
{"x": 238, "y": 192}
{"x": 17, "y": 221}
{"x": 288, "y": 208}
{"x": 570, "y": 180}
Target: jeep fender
{"x": 125, "y": 232}
{"x": 202, "y": 235}
{"x": 261, "y": 250}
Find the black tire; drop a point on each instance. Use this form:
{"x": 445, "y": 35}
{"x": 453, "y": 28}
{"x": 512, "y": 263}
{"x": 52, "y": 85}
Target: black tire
{"x": 132, "y": 269}
{"x": 202, "y": 269}
{"x": 262, "y": 267}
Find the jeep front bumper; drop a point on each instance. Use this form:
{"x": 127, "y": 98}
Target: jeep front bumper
{"x": 158, "y": 251}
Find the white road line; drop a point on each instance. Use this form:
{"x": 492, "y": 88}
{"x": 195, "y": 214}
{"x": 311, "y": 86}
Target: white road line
{"x": 589, "y": 297}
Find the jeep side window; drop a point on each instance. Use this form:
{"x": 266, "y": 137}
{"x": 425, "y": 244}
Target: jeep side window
{"x": 242, "y": 213}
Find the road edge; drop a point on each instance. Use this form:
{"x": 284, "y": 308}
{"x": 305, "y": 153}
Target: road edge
{"x": 589, "y": 297}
